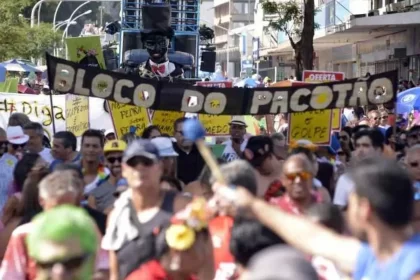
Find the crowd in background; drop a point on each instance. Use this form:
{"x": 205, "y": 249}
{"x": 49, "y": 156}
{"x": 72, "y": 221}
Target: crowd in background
{"x": 148, "y": 207}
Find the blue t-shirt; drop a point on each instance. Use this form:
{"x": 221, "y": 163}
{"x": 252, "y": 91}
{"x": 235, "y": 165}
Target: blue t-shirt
{"x": 402, "y": 266}
{"x": 56, "y": 162}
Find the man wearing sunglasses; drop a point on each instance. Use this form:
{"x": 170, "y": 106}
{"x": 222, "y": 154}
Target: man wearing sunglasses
{"x": 102, "y": 197}
{"x": 67, "y": 250}
{"x": 297, "y": 177}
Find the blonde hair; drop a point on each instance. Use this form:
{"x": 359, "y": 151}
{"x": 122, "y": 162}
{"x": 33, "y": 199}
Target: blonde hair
{"x": 60, "y": 183}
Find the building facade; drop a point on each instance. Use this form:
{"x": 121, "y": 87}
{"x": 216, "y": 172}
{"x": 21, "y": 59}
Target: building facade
{"x": 231, "y": 37}
{"x": 356, "y": 37}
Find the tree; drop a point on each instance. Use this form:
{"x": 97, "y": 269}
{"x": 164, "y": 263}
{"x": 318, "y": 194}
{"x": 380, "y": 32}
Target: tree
{"x": 17, "y": 39}
{"x": 297, "y": 21}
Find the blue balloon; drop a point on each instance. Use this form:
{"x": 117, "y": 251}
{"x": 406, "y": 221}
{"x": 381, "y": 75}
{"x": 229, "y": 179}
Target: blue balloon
{"x": 193, "y": 130}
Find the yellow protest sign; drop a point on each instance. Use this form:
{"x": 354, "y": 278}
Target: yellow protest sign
{"x": 215, "y": 125}
{"x": 77, "y": 114}
{"x": 336, "y": 119}
{"x": 125, "y": 116}
{"x": 165, "y": 120}
{"x": 314, "y": 126}
{"x": 315, "y": 76}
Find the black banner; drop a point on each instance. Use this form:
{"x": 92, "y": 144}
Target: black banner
{"x": 65, "y": 76}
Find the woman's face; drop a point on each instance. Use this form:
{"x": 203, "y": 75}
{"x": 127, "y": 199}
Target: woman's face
{"x": 344, "y": 138}
{"x": 154, "y": 133}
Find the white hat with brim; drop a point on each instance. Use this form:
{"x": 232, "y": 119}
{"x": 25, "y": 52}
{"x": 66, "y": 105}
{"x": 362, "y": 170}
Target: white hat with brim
{"x": 109, "y": 131}
{"x": 238, "y": 120}
{"x": 165, "y": 146}
{"x": 15, "y": 135}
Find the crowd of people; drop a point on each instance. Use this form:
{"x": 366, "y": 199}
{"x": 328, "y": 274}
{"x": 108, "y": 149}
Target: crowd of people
{"x": 148, "y": 207}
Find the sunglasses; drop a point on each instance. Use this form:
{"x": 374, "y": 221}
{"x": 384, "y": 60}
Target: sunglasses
{"x": 3, "y": 144}
{"x": 112, "y": 160}
{"x": 343, "y": 138}
{"x": 303, "y": 175}
{"x": 17, "y": 146}
{"x": 133, "y": 162}
{"x": 414, "y": 164}
{"x": 68, "y": 264}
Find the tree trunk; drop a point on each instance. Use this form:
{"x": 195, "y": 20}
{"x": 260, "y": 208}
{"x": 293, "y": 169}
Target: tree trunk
{"x": 307, "y": 38}
{"x": 298, "y": 61}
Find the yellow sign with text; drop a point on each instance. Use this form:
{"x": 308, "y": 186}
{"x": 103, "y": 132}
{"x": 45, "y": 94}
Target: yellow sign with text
{"x": 77, "y": 114}
{"x": 314, "y": 76}
{"x": 165, "y": 120}
{"x": 215, "y": 125}
{"x": 314, "y": 126}
{"x": 126, "y": 116}
{"x": 336, "y": 119}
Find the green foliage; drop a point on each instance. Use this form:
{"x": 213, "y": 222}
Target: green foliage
{"x": 288, "y": 17}
{"x": 17, "y": 39}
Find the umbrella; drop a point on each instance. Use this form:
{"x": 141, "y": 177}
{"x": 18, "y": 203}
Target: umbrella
{"x": 248, "y": 82}
{"x": 16, "y": 65}
{"x": 408, "y": 100}
{"x": 2, "y": 74}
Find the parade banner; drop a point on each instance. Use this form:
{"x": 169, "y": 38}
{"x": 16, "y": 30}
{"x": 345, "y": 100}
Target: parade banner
{"x": 66, "y": 76}
{"x": 38, "y": 109}
{"x": 315, "y": 76}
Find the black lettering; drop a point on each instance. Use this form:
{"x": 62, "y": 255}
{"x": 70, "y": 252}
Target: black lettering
{"x": 26, "y": 108}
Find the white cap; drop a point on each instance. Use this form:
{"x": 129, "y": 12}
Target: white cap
{"x": 15, "y": 135}
{"x": 165, "y": 146}
{"x": 109, "y": 131}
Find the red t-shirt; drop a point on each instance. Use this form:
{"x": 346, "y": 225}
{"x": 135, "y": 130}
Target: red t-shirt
{"x": 288, "y": 205}
{"x": 224, "y": 262}
{"x": 152, "y": 270}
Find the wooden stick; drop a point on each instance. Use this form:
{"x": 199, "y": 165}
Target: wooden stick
{"x": 210, "y": 161}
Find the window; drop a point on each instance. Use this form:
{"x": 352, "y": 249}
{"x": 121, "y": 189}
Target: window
{"x": 240, "y": 8}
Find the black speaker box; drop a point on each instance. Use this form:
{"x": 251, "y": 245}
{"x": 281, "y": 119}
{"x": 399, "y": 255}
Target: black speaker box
{"x": 208, "y": 62}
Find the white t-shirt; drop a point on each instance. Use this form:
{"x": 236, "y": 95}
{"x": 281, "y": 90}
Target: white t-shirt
{"x": 229, "y": 153}
{"x": 343, "y": 189}
{"x": 46, "y": 155}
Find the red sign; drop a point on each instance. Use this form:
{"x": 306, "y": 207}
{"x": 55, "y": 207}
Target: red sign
{"x": 215, "y": 84}
{"x": 314, "y": 76}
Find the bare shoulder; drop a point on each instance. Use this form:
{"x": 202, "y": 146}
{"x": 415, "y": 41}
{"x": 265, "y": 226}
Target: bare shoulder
{"x": 180, "y": 202}
{"x": 193, "y": 188}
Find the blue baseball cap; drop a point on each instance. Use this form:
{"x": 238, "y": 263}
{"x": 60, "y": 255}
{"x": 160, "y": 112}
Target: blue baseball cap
{"x": 141, "y": 148}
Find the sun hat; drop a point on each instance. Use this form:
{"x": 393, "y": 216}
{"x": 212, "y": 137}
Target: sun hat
{"x": 165, "y": 146}
{"x": 15, "y": 135}
{"x": 238, "y": 120}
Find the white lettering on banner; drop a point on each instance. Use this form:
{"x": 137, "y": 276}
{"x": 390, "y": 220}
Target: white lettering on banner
{"x": 359, "y": 93}
{"x": 323, "y": 77}
{"x": 144, "y": 93}
{"x": 38, "y": 109}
